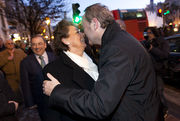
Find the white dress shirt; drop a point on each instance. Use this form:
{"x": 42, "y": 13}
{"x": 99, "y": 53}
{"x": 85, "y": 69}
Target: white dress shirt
{"x": 84, "y": 62}
{"x": 45, "y": 57}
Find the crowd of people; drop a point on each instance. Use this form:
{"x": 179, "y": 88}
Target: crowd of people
{"x": 71, "y": 84}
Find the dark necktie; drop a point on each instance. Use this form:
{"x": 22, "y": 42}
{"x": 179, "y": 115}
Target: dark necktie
{"x": 42, "y": 61}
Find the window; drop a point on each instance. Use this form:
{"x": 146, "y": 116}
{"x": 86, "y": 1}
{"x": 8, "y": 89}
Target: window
{"x": 133, "y": 15}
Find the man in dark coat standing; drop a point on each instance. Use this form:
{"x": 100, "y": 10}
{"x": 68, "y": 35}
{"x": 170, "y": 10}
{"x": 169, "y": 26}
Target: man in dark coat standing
{"x": 8, "y": 105}
{"x": 126, "y": 89}
{"x": 32, "y": 76}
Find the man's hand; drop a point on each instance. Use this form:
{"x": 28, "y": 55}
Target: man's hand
{"x": 11, "y": 53}
{"x": 48, "y": 86}
{"x": 150, "y": 48}
{"x": 33, "y": 107}
{"x": 15, "y": 103}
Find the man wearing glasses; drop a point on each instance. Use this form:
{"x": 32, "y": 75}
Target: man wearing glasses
{"x": 10, "y": 63}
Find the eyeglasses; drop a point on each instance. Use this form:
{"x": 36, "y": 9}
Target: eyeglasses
{"x": 37, "y": 44}
{"x": 149, "y": 32}
{"x": 10, "y": 43}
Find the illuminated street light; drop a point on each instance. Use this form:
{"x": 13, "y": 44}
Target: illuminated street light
{"x": 46, "y": 37}
{"x": 175, "y": 29}
{"x": 16, "y": 37}
{"x": 48, "y": 22}
{"x": 52, "y": 37}
{"x": 44, "y": 30}
{"x": 170, "y": 24}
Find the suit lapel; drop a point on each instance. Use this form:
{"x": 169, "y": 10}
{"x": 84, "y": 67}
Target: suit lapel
{"x": 36, "y": 61}
{"x": 79, "y": 75}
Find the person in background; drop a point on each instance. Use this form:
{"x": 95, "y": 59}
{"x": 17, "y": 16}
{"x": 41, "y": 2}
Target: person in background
{"x": 48, "y": 48}
{"x": 10, "y": 65}
{"x": 158, "y": 48}
{"x": 17, "y": 44}
{"x": 1, "y": 44}
{"x": 8, "y": 103}
{"x": 126, "y": 88}
{"x": 73, "y": 65}
{"x": 23, "y": 47}
{"x": 31, "y": 74}
{"x": 122, "y": 24}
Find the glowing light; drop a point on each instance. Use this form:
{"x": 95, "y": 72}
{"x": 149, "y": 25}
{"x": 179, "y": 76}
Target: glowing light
{"x": 16, "y": 37}
{"x": 44, "y": 30}
{"x": 175, "y": 29}
{"x": 46, "y": 37}
{"x": 160, "y": 10}
{"x": 52, "y": 37}
{"x": 48, "y": 21}
{"x": 170, "y": 23}
{"x": 77, "y": 19}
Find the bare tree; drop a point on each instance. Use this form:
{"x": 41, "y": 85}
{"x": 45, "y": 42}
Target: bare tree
{"x": 32, "y": 13}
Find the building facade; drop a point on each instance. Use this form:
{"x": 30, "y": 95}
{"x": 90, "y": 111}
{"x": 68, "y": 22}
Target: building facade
{"x": 4, "y": 31}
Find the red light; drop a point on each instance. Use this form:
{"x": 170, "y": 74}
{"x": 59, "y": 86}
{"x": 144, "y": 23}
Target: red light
{"x": 159, "y": 10}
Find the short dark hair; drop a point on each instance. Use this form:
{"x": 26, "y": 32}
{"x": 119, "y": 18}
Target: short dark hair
{"x": 38, "y": 35}
{"x": 154, "y": 31}
{"x": 60, "y": 32}
{"x": 101, "y": 12}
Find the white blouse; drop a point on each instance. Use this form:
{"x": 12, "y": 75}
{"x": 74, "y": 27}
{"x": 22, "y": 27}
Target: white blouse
{"x": 84, "y": 62}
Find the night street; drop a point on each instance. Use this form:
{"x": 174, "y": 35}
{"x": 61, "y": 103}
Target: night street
{"x": 77, "y": 60}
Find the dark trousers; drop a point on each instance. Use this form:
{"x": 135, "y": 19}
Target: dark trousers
{"x": 163, "y": 102}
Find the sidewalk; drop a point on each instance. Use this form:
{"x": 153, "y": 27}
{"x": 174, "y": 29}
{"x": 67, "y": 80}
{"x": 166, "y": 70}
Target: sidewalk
{"x": 173, "y": 99}
{"x": 171, "y": 118}
{"x": 172, "y": 95}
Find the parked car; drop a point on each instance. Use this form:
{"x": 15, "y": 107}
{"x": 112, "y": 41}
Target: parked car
{"x": 173, "y": 63}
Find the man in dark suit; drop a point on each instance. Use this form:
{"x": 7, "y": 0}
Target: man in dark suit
{"x": 31, "y": 74}
{"x": 126, "y": 89}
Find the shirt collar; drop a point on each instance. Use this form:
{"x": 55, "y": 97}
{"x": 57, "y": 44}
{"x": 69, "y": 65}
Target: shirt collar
{"x": 44, "y": 54}
{"x": 82, "y": 61}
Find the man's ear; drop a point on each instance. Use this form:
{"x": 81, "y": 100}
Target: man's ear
{"x": 95, "y": 23}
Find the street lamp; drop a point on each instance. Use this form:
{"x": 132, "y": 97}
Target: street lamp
{"x": 48, "y": 22}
